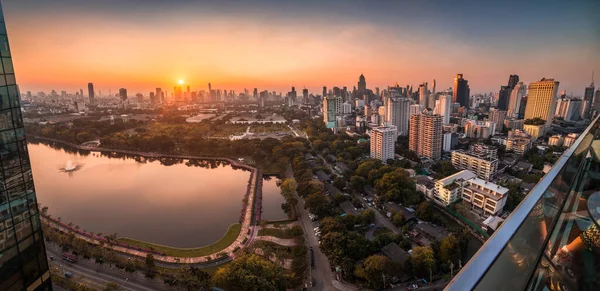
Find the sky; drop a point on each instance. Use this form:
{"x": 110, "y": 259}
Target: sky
{"x": 276, "y": 44}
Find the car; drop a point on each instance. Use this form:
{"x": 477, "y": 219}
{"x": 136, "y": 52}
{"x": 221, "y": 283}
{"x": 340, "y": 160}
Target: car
{"x": 52, "y": 258}
{"x": 68, "y": 275}
{"x": 413, "y": 287}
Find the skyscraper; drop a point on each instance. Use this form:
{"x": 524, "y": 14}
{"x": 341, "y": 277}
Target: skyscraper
{"x": 398, "y": 114}
{"x": 514, "y": 104}
{"x": 331, "y": 106}
{"x": 513, "y": 80}
{"x": 362, "y": 84}
{"x": 159, "y": 95}
{"x": 423, "y": 95}
{"x": 433, "y": 87}
{"x": 23, "y": 264}
{"x": 305, "y": 95}
{"x": 425, "y": 135}
{"x": 541, "y": 101}
{"x": 383, "y": 141}
{"x": 497, "y": 116}
{"x": 461, "y": 91}
{"x": 588, "y": 98}
{"x": 324, "y": 91}
{"x": 91, "y": 93}
{"x": 123, "y": 94}
{"x": 504, "y": 97}
{"x": 443, "y": 107}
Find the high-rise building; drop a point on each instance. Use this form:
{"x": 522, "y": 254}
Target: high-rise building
{"x": 514, "y": 103}
{"x": 398, "y": 114}
{"x": 91, "y": 93}
{"x": 588, "y": 98}
{"x": 443, "y": 107}
{"x": 568, "y": 109}
{"x": 423, "y": 95}
{"x": 513, "y": 80}
{"x": 330, "y": 111}
{"x": 541, "y": 101}
{"x": 425, "y": 135}
{"x": 362, "y": 83}
{"x": 504, "y": 97}
{"x": 23, "y": 264}
{"x": 433, "y": 87}
{"x": 255, "y": 93}
{"x": 305, "y": 95}
{"x": 324, "y": 91}
{"x": 159, "y": 95}
{"x": 123, "y": 94}
{"x": 497, "y": 116}
{"x": 461, "y": 91}
{"x": 383, "y": 141}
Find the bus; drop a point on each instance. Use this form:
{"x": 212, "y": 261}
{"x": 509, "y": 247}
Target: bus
{"x": 69, "y": 257}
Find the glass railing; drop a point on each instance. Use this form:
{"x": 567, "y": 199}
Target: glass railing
{"x": 551, "y": 241}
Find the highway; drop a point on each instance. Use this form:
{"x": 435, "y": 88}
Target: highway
{"x": 98, "y": 280}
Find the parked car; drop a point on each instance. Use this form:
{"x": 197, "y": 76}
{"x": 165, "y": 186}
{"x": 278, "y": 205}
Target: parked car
{"x": 413, "y": 287}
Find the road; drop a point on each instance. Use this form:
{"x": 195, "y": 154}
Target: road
{"x": 98, "y": 280}
{"x": 380, "y": 219}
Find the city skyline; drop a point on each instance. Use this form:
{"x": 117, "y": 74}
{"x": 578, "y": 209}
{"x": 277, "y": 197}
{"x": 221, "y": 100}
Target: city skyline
{"x": 274, "y": 44}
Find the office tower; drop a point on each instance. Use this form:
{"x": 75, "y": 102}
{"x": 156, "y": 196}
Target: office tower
{"x": 398, "y": 114}
{"x": 480, "y": 159}
{"x": 305, "y": 95}
{"x": 497, "y": 116}
{"x": 461, "y": 91}
{"x": 330, "y": 111}
{"x": 91, "y": 93}
{"x": 362, "y": 84}
{"x": 423, "y": 95}
{"x": 23, "y": 264}
{"x": 513, "y": 80}
{"x": 433, "y": 87}
{"x": 80, "y": 92}
{"x": 324, "y": 91}
{"x": 159, "y": 95}
{"x": 139, "y": 97}
{"x": 123, "y": 94}
{"x": 588, "y": 98}
{"x": 443, "y": 107}
{"x": 415, "y": 109}
{"x": 383, "y": 142}
{"x": 377, "y": 91}
{"x": 514, "y": 104}
{"x": 504, "y": 97}
{"x": 568, "y": 109}
{"x": 255, "y": 93}
{"x": 425, "y": 135}
{"x": 210, "y": 89}
{"x": 541, "y": 101}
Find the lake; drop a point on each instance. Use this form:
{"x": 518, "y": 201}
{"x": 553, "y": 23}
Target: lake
{"x": 272, "y": 200}
{"x": 176, "y": 205}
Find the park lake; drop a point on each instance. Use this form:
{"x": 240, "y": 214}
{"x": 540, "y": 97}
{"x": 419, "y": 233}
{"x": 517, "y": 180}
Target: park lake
{"x": 174, "y": 203}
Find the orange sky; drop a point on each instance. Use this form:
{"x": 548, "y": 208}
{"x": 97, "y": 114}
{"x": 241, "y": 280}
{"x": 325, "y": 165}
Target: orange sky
{"x": 235, "y": 53}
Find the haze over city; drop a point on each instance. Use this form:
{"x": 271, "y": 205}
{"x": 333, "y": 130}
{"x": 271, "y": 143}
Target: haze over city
{"x": 274, "y": 45}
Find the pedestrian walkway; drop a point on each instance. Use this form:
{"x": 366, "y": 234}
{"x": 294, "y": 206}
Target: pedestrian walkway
{"x": 280, "y": 241}
{"x": 248, "y": 232}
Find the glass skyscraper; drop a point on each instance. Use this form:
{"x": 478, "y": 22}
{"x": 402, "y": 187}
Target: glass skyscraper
{"x": 23, "y": 264}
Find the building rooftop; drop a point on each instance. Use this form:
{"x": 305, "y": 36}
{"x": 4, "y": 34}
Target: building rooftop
{"x": 394, "y": 252}
{"x": 489, "y": 185}
{"x": 322, "y": 176}
{"x": 464, "y": 175}
{"x": 432, "y": 230}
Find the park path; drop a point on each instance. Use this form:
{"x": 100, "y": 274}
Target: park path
{"x": 248, "y": 232}
{"x": 280, "y": 241}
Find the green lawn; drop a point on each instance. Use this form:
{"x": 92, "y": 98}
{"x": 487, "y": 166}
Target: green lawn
{"x": 229, "y": 237}
{"x": 280, "y": 233}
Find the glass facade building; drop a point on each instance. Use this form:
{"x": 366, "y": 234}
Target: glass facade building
{"x": 551, "y": 241}
{"x": 23, "y": 264}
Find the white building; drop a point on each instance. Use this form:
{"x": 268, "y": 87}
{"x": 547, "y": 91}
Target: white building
{"x": 443, "y": 107}
{"x": 568, "y": 109}
{"x": 483, "y": 196}
{"x": 514, "y": 103}
{"x": 398, "y": 114}
{"x": 346, "y": 108}
{"x": 383, "y": 142}
{"x": 447, "y": 142}
{"x": 480, "y": 159}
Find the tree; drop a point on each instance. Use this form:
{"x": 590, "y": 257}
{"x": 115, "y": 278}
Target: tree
{"x": 318, "y": 204}
{"x": 358, "y": 183}
{"x": 422, "y": 260}
{"x": 444, "y": 169}
{"x": 150, "y": 264}
{"x": 367, "y": 216}
{"x": 398, "y": 219}
{"x": 250, "y": 272}
{"x": 111, "y": 286}
{"x": 425, "y": 211}
{"x": 373, "y": 269}
{"x": 450, "y": 249}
